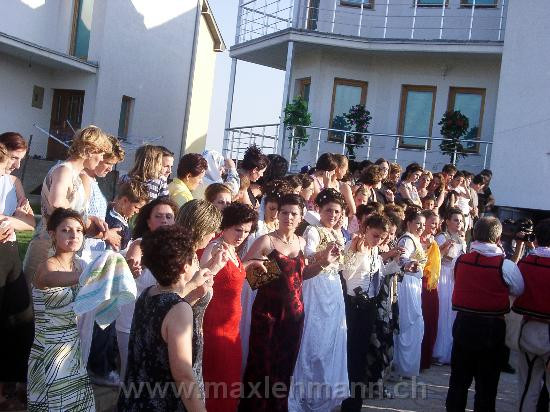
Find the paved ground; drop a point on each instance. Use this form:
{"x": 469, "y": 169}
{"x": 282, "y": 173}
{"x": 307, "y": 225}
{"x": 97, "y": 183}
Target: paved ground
{"x": 431, "y": 390}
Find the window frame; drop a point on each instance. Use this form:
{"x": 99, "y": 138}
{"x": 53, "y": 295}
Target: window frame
{"x": 369, "y": 4}
{"x": 453, "y": 90}
{"x": 130, "y": 101}
{"x": 301, "y": 85}
{"x": 74, "y": 24}
{"x": 405, "y": 88}
{"x": 468, "y": 4}
{"x": 364, "y": 85}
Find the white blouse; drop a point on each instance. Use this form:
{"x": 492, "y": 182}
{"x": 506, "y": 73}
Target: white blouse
{"x": 360, "y": 267}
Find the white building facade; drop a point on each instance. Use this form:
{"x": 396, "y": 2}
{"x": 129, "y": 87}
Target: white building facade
{"x": 407, "y": 61}
{"x": 138, "y": 69}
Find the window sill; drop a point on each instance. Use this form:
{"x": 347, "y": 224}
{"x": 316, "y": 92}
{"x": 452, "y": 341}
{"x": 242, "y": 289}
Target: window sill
{"x": 368, "y": 5}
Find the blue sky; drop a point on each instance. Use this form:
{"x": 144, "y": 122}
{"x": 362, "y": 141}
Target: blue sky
{"x": 258, "y": 89}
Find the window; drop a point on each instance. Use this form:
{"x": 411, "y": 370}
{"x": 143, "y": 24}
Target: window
{"x": 82, "y": 25}
{"x": 470, "y": 102}
{"x": 422, "y": 3}
{"x": 345, "y": 95}
{"x": 312, "y": 14}
{"x": 303, "y": 87}
{"x": 357, "y": 3}
{"x": 479, "y": 3}
{"x": 125, "y": 112}
{"x": 416, "y": 114}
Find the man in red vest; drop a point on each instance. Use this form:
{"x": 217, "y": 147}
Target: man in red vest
{"x": 534, "y": 305}
{"x": 484, "y": 279}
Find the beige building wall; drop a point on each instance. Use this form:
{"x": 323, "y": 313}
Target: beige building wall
{"x": 203, "y": 82}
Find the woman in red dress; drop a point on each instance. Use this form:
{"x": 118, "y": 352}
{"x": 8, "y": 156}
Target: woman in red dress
{"x": 430, "y": 299}
{"x": 278, "y": 311}
{"x": 222, "y": 342}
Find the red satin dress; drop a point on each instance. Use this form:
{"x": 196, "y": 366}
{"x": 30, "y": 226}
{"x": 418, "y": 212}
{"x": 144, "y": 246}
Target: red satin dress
{"x": 222, "y": 340}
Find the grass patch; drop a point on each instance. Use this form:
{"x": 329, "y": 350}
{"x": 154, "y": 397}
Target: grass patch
{"x": 23, "y": 239}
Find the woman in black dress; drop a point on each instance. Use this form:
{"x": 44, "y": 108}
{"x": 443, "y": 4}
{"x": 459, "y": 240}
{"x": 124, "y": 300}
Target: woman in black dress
{"x": 160, "y": 375}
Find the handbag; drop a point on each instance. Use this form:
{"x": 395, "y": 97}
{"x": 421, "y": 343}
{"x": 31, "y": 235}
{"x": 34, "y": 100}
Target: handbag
{"x": 257, "y": 278}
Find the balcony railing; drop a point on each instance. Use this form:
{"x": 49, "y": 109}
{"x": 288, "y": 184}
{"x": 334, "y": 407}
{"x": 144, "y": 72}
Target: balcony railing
{"x": 375, "y": 19}
{"x": 267, "y": 138}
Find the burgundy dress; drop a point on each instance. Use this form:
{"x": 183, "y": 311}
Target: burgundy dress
{"x": 275, "y": 333}
{"x": 430, "y": 313}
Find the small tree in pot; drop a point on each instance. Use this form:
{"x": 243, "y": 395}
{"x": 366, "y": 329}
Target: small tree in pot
{"x": 297, "y": 116}
{"x": 358, "y": 119}
{"x": 454, "y": 125}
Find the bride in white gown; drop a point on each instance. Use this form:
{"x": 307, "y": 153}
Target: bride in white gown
{"x": 454, "y": 222}
{"x": 320, "y": 379}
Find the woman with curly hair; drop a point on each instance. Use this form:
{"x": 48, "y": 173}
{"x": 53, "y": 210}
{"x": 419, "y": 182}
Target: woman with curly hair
{"x": 63, "y": 187}
{"x": 253, "y": 166}
{"x": 322, "y": 356}
{"x": 160, "y": 349}
{"x": 222, "y": 342}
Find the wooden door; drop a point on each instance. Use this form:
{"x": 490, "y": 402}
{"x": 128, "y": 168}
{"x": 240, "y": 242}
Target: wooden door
{"x": 67, "y": 108}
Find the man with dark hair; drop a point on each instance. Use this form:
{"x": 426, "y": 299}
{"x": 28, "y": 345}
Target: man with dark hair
{"x": 534, "y": 304}
{"x": 449, "y": 171}
{"x": 484, "y": 279}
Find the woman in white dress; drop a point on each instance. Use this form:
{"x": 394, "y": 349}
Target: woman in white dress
{"x": 408, "y": 341}
{"x": 451, "y": 246}
{"x": 322, "y": 359}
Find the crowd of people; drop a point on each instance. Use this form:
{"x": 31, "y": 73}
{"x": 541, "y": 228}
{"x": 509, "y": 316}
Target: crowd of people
{"x": 258, "y": 290}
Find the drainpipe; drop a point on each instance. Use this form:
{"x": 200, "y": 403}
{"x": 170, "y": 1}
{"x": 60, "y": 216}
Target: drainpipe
{"x": 190, "y": 80}
{"x": 231, "y": 91}
{"x": 286, "y": 96}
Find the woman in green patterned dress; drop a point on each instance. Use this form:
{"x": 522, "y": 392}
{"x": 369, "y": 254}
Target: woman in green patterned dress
{"x": 57, "y": 377}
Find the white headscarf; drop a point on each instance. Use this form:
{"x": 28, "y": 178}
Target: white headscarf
{"x": 213, "y": 174}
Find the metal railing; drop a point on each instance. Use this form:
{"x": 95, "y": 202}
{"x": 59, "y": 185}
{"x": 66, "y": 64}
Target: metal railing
{"x": 375, "y": 145}
{"x": 381, "y": 19}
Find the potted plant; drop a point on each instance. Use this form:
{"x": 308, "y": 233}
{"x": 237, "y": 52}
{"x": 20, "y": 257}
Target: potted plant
{"x": 454, "y": 125}
{"x": 358, "y": 119}
{"x": 296, "y": 117}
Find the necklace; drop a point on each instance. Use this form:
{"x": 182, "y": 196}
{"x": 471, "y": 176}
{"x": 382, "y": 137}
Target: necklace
{"x": 70, "y": 269}
{"x": 286, "y": 242}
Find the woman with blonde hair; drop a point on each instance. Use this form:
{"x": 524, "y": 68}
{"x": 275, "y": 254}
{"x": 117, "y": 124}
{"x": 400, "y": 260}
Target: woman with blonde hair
{"x": 97, "y": 205}
{"x": 148, "y": 169}
{"x": 63, "y": 187}
{"x": 204, "y": 219}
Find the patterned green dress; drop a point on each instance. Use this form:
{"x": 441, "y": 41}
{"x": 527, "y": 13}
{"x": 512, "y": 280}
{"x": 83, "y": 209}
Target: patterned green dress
{"x": 57, "y": 379}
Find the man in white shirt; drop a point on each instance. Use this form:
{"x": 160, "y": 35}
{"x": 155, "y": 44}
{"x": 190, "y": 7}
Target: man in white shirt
{"x": 534, "y": 305}
{"x": 484, "y": 279}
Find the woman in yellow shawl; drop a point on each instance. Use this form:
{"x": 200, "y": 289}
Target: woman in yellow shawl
{"x": 430, "y": 299}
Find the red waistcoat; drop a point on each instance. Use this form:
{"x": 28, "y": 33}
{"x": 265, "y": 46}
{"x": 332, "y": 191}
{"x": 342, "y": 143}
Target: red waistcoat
{"x": 479, "y": 286}
{"x": 535, "y": 300}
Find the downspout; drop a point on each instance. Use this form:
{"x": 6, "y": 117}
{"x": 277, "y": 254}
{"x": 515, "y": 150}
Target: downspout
{"x": 190, "y": 80}
{"x": 231, "y": 90}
